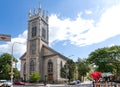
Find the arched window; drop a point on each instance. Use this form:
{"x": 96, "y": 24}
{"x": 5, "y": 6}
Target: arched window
{"x": 32, "y": 65}
{"x": 24, "y": 68}
{"x": 34, "y": 31}
{"x": 43, "y": 33}
{"x": 50, "y": 70}
{"x": 50, "y": 66}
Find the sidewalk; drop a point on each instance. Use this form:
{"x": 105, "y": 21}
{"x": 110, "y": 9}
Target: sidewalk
{"x": 33, "y": 84}
{"x": 87, "y": 82}
{"x": 42, "y": 85}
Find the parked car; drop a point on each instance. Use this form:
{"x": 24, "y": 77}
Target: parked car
{"x": 78, "y": 81}
{"x": 5, "y": 83}
{"x": 75, "y": 82}
{"x": 8, "y": 83}
{"x": 2, "y": 83}
{"x": 19, "y": 83}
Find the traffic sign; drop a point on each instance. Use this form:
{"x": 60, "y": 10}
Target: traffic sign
{"x": 4, "y": 37}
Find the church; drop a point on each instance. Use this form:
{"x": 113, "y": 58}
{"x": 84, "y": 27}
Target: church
{"x": 39, "y": 57}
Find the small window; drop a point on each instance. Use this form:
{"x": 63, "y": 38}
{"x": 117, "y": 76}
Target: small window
{"x": 24, "y": 68}
{"x": 32, "y": 65}
{"x": 43, "y": 33}
{"x": 34, "y": 31}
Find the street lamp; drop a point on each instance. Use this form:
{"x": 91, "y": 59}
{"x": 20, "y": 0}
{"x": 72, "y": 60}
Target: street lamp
{"x": 45, "y": 80}
{"x": 12, "y": 62}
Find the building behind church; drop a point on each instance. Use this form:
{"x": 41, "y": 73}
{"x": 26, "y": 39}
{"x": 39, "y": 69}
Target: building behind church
{"x": 39, "y": 57}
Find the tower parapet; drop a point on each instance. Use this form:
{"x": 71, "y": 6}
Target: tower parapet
{"x": 38, "y": 13}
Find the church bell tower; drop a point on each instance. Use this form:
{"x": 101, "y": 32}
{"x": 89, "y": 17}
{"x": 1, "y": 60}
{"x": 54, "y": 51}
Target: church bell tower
{"x": 38, "y": 25}
{"x": 38, "y": 36}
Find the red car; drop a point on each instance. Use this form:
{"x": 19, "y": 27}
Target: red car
{"x": 19, "y": 83}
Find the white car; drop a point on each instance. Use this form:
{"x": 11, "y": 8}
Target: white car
{"x": 73, "y": 83}
{"x": 8, "y": 83}
{"x": 5, "y": 83}
{"x": 2, "y": 83}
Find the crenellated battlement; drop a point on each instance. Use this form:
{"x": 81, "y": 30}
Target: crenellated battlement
{"x": 38, "y": 13}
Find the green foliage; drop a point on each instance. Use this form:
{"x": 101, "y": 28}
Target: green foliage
{"x": 68, "y": 69}
{"x": 83, "y": 67}
{"x": 5, "y": 66}
{"x": 17, "y": 74}
{"x": 71, "y": 67}
{"x": 107, "y": 59}
{"x": 63, "y": 72}
{"x": 34, "y": 76}
{"x": 89, "y": 77}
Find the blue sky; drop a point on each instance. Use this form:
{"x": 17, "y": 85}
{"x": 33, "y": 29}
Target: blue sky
{"x": 77, "y": 27}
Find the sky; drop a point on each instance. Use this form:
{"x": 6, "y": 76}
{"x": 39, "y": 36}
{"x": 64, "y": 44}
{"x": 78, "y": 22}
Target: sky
{"x": 76, "y": 27}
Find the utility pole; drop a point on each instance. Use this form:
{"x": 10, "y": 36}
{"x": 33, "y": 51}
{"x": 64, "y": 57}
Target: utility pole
{"x": 12, "y": 63}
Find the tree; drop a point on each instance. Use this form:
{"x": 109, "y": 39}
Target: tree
{"x": 68, "y": 69}
{"x": 83, "y": 68}
{"x": 17, "y": 74}
{"x": 107, "y": 59}
{"x": 34, "y": 76}
{"x": 5, "y": 66}
{"x": 63, "y": 72}
{"x": 71, "y": 68}
{"x": 114, "y": 54}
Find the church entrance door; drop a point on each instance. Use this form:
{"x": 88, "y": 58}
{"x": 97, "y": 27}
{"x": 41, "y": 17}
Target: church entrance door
{"x": 50, "y": 76}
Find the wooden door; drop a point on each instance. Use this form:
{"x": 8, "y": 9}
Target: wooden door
{"x": 50, "y": 76}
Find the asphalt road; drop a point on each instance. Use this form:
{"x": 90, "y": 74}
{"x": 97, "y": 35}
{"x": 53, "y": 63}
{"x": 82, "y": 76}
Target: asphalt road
{"x": 85, "y": 84}
{"x": 58, "y": 85}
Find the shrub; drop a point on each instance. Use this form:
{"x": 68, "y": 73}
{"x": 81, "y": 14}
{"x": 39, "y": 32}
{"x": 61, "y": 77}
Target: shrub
{"x": 34, "y": 77}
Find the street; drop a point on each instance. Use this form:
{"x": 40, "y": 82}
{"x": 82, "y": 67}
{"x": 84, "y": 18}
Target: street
{"x": 86, "y": 84}
{"x": 80, "y": 85}
{"x": 57, "y": 85}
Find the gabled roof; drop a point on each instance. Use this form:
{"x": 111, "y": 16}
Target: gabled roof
{"x": 23, "y": 56}
{"x": 55, "y": 53}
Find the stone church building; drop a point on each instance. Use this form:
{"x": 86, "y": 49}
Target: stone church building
{"x": 39, "y": 57}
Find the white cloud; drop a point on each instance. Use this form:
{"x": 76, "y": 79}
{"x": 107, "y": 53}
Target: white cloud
{"x": 88, "y": 12}
{"x": 79, "y": 32}
{"x": 83, "y": 32}
{"x": 111, "y": 45}
{"x": 18, "y": 44}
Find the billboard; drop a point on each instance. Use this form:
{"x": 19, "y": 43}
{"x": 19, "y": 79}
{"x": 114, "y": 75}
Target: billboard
{"x": 4, "y": 37}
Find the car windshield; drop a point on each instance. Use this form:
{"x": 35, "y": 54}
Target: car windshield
{"x": 8, "y": 81}
{"x": 2, "y": 81}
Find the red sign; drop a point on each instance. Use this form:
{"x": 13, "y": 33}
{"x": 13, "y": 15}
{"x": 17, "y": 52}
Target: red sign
{"x": 4, "y": 37}
{"x": 95, "y": 75}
